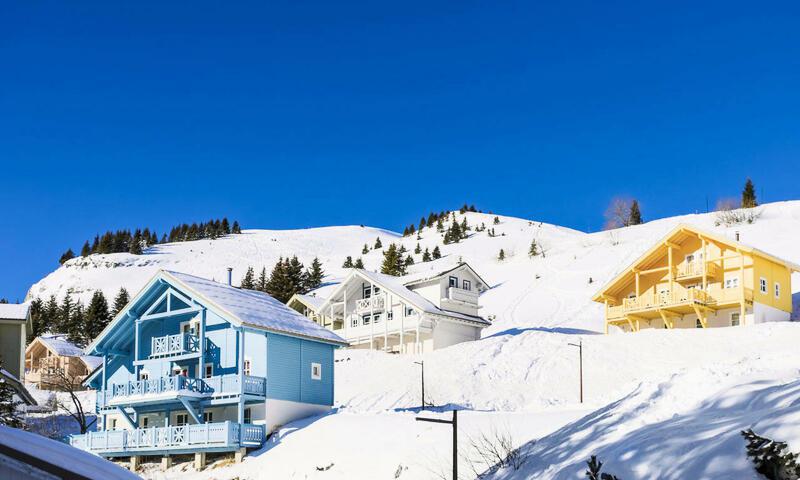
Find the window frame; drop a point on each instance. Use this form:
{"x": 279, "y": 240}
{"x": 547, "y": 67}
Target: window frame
{"x": 208, "y": 417}
{"x": 206, "y": 368}
{"x": 366, "y": 319}
{"x": 366, "y": 290}
{"x": 179, "y": 416}
{"x": 466, "y": 285}
{"x": 248, "y": 415}
{"x": 763, "y": 285}
{"x": 777, "y": 289}
{"x": 452, "y": 282}
{"x": 354, "y": 322}
{"x": 316, "y": 371}
{"x": 247, "y": 366}
{"x": 738, "y": 316}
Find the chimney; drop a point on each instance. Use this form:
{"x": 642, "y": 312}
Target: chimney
{"x": 230, "y": 275}
{"x": 737, "y": 235}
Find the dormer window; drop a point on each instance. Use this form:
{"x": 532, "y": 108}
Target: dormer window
{"x": 467, "y": 285}
{"x": 454, "y": 282}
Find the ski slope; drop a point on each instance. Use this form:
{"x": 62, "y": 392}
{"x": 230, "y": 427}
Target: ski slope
{"x": 658, "y": 404}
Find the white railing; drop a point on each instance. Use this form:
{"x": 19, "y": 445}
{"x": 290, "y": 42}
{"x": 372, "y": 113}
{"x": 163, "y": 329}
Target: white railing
{"x": 184, "y": 437}
{"x": 461, "y": 295}
{"x": 174, "y": 345}
{"x": 218, "y": 385}
{"x": 372, "y": 303}
{"x": 223, "y": 384}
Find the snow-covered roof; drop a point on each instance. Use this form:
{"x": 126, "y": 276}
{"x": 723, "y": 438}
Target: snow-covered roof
{"x": 59, "y": 345}
{"x": 57, "y": 458}
{"x": 254, "y": 309}
{"x": 14, "y": 311}
{"x": 313, "y": 301}
{"x": 91, "y": 362}
{"x": 425, "y": 271}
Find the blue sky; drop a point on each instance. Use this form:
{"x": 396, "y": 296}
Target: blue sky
{"x": 299, "y": 114}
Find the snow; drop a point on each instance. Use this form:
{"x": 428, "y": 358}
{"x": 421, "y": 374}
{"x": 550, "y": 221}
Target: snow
{"x": 256, "y": 309}
{"x": 62, "y": 455}
{"x": 14, "y": 311}
{"x": 59, "y": 344}
{"x": 658, "y": 404}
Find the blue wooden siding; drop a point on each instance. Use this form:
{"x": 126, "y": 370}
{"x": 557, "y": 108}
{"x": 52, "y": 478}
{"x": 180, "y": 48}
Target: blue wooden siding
{"x": 289, "y": 370}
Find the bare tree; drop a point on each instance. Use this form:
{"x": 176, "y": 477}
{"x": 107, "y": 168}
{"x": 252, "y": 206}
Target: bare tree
{"x": 491, "y": 451}
{"x": 57, "y": 379}
{"x": 618, "y": 213}
{"x": 729, "y": 213}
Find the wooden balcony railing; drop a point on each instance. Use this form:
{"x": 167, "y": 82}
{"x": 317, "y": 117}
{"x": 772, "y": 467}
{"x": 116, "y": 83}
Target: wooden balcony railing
{"x": 695, "y": 270}
{"x": 144, "y": 390}
{"x": 682, "y": 296}
{"x": 372, "y": 303}
{"x": 177, "y": 344}
{"x": 185, "y": 438}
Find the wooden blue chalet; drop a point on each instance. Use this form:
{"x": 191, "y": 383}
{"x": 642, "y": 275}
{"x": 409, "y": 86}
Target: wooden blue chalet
{"x": 194, "y": 366}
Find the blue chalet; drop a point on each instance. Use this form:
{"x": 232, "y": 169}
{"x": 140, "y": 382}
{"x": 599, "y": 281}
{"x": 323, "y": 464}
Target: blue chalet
{"x": 195, "y": 366}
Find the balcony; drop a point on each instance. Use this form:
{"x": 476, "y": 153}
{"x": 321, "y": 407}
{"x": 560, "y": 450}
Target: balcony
{"x": 372, "y": 303}
{"x": 694, "y": 270}
{"x": 461, "y": 295}
{"x": 681, "y": 300}
{"x": 169, "y": 388}
{"x": 171, "y": 345}
{"x": 222, "y": 436}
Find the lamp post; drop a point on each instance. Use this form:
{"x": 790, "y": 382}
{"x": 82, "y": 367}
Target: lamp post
{"x": 454, "y": 423}
{"x": 580, "y": 362}
{"x": 422, "y": 364}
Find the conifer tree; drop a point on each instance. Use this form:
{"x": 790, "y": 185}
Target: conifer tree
{"x": 136, "y": 244}
{"x": 365, "y": 250}
{"x": 236, "y": 227}
{"x": 378, "y": 243}
{"x": 426, "y": 256}
{"x": 120, "y": 301}
{"x": 418, "y": 249}
{"x": 771, "y": 458}
{"x": 405, "y": 231}
{"x": 248, "y": 281}
{"x": 409, "y": 261}
{"x": 38, "y": 325}
{"x": 496, "y": 220}
{"x": 262, "y": 280}
{"x": 411, "y": 229}
{"x": 464, "y": 228}
{"x": 393, "y": 262}
{"x": 278, "y": 280}
{"x": 51, "y": 312}
{"x": 421, "y": 224}
{"x": 65, "y": 313}
{"x": 226, "y": 227}
{"x": 359, "y": 264}
{"x": 10, "y": 415}
{"x": 86, "y": 250}
{"x": 314, "y": 275}
{"x": 749, "y": 195}
{"x": 348, "y": 262}
{"x": 439, "y": 225}
{"x": 501, "y": 255}
{"x": 76, "y": 326}
{"x": 96, "y": 316}
{"x": 68, "y": 255}
{"x": 436, "y": 253}
{"x": 635, "y": 217}
{"x": 431, "y": 220}
{"x": 534, "y": 250}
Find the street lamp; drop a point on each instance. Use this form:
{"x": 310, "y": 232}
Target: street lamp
{"x": 454, "y": 423}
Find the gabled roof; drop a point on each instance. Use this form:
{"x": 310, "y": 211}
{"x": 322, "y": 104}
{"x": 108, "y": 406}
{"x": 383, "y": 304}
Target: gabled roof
{"x": 313, "y": 302}
{"x": 240, "y": 307}
{"x": 14, "y": 311}
{"x": 58, "y": 344}
{"x": 427, "y": 271}
{"x": 397, "y": 286}
{"x": 678, "y": 232}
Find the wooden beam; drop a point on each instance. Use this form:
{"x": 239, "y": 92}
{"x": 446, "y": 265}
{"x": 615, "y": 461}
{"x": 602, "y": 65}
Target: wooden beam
{"x": 700, "y": 315}
{"x": 664, "y": 317}
{"x": 126, "y": 417}
{"x": 191, "y": 410}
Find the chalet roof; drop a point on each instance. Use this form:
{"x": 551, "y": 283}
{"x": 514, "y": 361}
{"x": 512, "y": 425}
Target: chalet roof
{"x": 397, "y": 285}
{"x": 425, "y": 271}
{"x": 312, "y": 301}
{"x": 679, "y": 233}
{"x": 14, "y": 311}
{"x": 58, "y": 344}
{"x": 255, "y": 309}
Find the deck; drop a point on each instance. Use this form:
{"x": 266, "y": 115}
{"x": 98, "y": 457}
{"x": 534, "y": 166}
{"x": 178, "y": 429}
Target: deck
{"x": 207, "y": 437}
{"x": 165, "y": 388}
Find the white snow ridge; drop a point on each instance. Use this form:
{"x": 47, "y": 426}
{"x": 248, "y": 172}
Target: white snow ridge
{"x": 666, "y": 404}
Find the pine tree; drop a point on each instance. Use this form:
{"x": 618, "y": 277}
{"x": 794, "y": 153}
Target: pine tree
{"x": 405, "y": 231}
{"x": 68, "y": 255}
{"x": 278, "y": 280}
{"x": 426, "y": 256}
{"x": 418, "y": 249}
{"x": 262, "y": 280}
{"x": 65, "y": 313}
{"x": 431, "y": 220}
{"x": 770, "y": 458}
{"x": 248, "y": 281}
{"x": 436, "y": 253}
{"x": 593, "y": 470}
{"x": 236, "y": 227}
{"x": 501, "y": 255}
{"x": 76, "y": 326}
{"x": 9, "y": 408}
{"x": 534, "y": 250}
{"x": 378, "y": 243}
{"x": 50, "y": 323}
{"x": 412, "y": 229}
{"x": 393, "y": 262}
{"x": 120, "y": 301}
{"x": 496, "y": 220}
{"x": 422, "y": 224}
{"x": 314, "y": 275}
{"x": 348, "y": 262}
{"x": 136, "y": 244}
{"x": 464, "y": 228}
{"x": 38, "y": 325}
{"x": 409, "y": 261}
{"x": 635, "y": 217}
{"x": 439, "y": 225}
{"x": 749, "y": 195}
{"x": 359, "y": 264}
{"x": 96, "y": 316}
{"x": 86, "y": 250}
{"x": 365, "y": 250}
{"x": 226, "y": 227}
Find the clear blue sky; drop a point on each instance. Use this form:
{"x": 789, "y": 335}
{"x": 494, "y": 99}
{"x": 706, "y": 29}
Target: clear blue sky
{"x": 299, "y": 114}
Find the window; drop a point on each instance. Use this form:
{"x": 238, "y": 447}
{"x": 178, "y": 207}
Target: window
{"x": 409, "y": 311}
{"x": 246, "y": 366}
{"x": 762, "y": 285}
{"x": 208, "y": 417}
{"x": 144, "y": 375}
{"x": 181, "y": 419}
{"x": 366, "y": 290}
{"x": 377, "y": 290}
{"x": 208, "y": 371}
{"x": 777, "y": 290}
{"x": 376, "y": 318}
{"x": 735, "y": 316}
{"x": 390, "y": 315}
{"x": 454, "y": 282}
{"x": 698, "y": 324}
{"x": 191, "y": 326}
{"x": 355, "y": 321}
{"x": 145, "y": 422}
{"x": 248, "y": 416}
{"x": 112, "y": 424}
{"x": 316, "y": 371}
{"x": 732, "y": 282}
{"x": 467, "y": 285}
{"x": 365, "y": 320}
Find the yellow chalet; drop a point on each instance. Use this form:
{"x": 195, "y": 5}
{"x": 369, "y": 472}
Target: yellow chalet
{"x": 696, "y": 279}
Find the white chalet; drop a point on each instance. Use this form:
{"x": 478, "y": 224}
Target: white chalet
{"x": 433, "y": 308}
